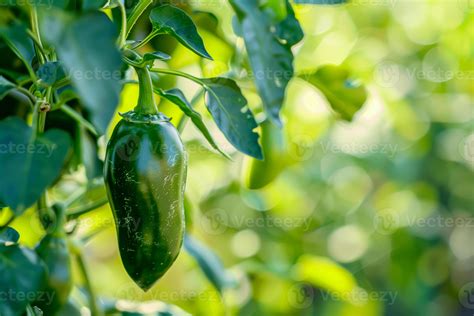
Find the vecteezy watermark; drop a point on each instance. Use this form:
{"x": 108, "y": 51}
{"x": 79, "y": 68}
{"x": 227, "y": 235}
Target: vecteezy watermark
{"x": 388, "y": 74}
{"x": 466, "y": 295}
{"x": 217, "y": 221}
{"x": 129, "y": 290}
{"x": 302, "y": 295}
{"x": 12, "y": 295}
{"x": 25, "y": 148}
{"x": 389, "y": 220}
{"x": 360, "y": 149}
{"x": 38, "y": 3}
{"x": 303, "y": 148}
{"x": 466, "y": 148}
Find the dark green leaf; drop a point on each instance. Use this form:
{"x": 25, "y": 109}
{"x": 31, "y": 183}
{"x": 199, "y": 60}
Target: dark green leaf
{"x": 320, "y": 1}
{"x": 86, "y": 46}
{"x": 19, "y": 41}
{"x": 228, "y": 107}
{"x": 268, "y": 44}
{"x": 9, "y": 234}
{"x": 21, "y": 277}
{"x": 175, "y": 22}
{"x": 27, "y": 165}
{"x": 51, "y": 72}
{"x": 177, "y": 97}
{"x": 345, "y": 97}
{"x": 209, "y": 263}
{"x": 93, "y": 4}
{"x": 5, "y": 87}
{"x": 156, "y": 55}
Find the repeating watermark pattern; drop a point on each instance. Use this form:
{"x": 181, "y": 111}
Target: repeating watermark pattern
{"x": 388, "y": 74}
{"x": 25, "y": 148}
{"x": 388, "y": 150}
{"x": 303, "y": 148}
{"x": 466, "y": 148}
{"x": 129, "y": 290}
{"x": 302, "y": 295}
{"x": 217, "y": 221}
{"x": 12, "y": 295}
{"x": 466, "y": 295}
{"x": 389, "y": 220}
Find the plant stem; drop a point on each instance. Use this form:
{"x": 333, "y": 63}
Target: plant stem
{"x": 79, "y": 119}
{"x": 136, "y": 13}
{"x": 123, "y": 30}
{"x": 178, "y": 73}
{"x": 35, "y": 30}
{"x": 95, "y": 311}
{"x": 146, "y": 102}
{"x": 148, "y": 38}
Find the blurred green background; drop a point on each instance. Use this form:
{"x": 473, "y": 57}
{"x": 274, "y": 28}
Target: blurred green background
{"x": 371, "y": 217}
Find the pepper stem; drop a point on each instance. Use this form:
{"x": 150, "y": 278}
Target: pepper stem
{"x": 146, "y": 102}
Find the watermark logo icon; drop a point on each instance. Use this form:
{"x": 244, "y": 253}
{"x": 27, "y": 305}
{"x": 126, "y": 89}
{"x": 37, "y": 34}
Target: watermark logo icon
{"x": 386, "y": 221}
{"x": 130, "y": 148}
{"x": 215, "y": 222}
{"x": 301, "y": 295}
{"x": 387, "y": 74}
{"x": 466, "y": 295}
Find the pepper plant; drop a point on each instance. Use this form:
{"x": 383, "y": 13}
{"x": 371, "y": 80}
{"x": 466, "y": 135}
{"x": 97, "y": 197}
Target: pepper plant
{"x": 64, "y": 66}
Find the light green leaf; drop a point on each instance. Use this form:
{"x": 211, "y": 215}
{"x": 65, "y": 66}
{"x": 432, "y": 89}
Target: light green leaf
{"x": 175, "y": 22}
{"x": 344, "y": 96}
{"x": 27, "y": 165}
{"x": 228, "y": 107}
{"x": 177, "y": 97}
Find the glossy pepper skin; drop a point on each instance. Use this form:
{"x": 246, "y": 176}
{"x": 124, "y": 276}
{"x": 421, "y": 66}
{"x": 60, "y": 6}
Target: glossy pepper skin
{"x": 258, "y": 173}
{"x": 54, "y": 251}
{"x": 145, "y": 175}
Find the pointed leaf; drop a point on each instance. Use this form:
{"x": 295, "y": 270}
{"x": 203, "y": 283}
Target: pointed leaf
{"x": 95, "y": 73}
{"x": 175, "y": 22}
{"x": 345, "y": 97}
{"x": 209, "y": 263}
{"x": 28, "y": 166}
{"x": 5, "y": 87}
{"x": 156, "y": 55}
{"x": 228, "y": 107}
{"x": 18, "y": 40}
{"x": 21, "y": 272}
{"x": 177, "y": 97}
{"x": 268, "y": 43}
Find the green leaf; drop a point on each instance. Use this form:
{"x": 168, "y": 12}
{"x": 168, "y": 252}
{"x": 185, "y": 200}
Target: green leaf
{"x": 9, "y": 234}
{"x": 156, "y": 55}
{"x": 51, "y": 72}
{"x": 209, "y": 263}
{"x": 27, "y": 165}
{"x": 177, "y": 97}
{"x": 18, "y": 40}
{"x": 86, "y": 47}
{"x": 228, "y": 107}
{"x": 21, "y": 275}
{"x": 345, "y": 97}
{"x": 93, "y": 4}
{"x": 268, "y": 43}
{"x": 320, "y": 1}
{"x": 5, "y": 87}
{"x": 175, "y": 22}
{"x": 325, "y": 274}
